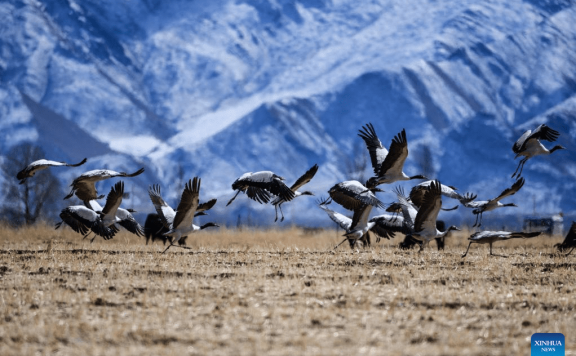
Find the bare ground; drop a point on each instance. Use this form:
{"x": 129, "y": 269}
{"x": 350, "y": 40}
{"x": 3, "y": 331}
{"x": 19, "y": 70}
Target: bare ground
{"x": 277, "y": 293}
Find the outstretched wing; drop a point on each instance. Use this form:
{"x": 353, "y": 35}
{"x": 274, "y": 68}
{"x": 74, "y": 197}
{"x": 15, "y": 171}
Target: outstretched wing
{"x": 128, "y": 222}
{"x": 343, "y": 221}
{"x": 278, "y": 188}
{"x": 85, "y": 190}
{"x": 206, "y": 206}
{"x": 428, "y": 212}
{"x": 352, "y": 195}
{"x": 165, "y": 211}
{"x": 394, "y": 162}
{"x": 387, "y": 225}
{"x": 377, "y": 151}
{"x": 542, "y": 132}
{"x": 305, "y": 178}
{"x": 521, "y": 143}
{"x": 188, "y": 204}
{"x": 510, "y": 191}
{"x": 114, "y": 199}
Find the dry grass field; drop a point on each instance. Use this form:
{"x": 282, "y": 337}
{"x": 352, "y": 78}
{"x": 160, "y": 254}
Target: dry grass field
{"x": 277, "y": 293}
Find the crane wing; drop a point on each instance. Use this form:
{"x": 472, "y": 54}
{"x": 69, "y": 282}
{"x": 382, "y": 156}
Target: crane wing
{"x": 395, "y": 159}
{"x": 377, "y": 151}
{"x": 206, "y": 206}
{"x": 360, "y": 217}
{"x": 428, "y": 212}
{"x": 128, "y": 222}
{"x": 85, "y": 190}
{"x": 352, "y": 195}
{"x": 165, "y": 211}
{"x": 188, "y": 204}
{"x": 387, "y": 225}
{"x": 343, "y": 221}
{"x": 510, "y": 191}
{"x": 114, "y": 199}
{"x": 305, "y": 178}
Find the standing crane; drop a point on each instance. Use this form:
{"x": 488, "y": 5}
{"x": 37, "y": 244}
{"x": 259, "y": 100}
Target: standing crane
{"x": 489, "y": 237}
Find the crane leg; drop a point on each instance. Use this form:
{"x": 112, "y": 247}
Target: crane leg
{"x": 491, "y": 254}
{"x": 522, "y": 167}
{"x": 281, "y": 212}
{"x": 476, "y": 222}
{"x": 181, "y": 246}
{"x": 276, "y": 212}
{"x": 570, "y": 251}
{"x": 517, "y": 168}
{"x": 167, "y": 247}
{"x": 346, "y": 239}
{"x": 93, "y": 238}
{"x": 465, "y": 253}
{"x": 480, "y": 223}
{"x": 231, "y": 200}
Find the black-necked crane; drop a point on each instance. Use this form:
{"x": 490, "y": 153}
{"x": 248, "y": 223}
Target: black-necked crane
{"x": 358, "y": 228}
{"x": 259, "y": 185}
{"x": 84, "y": 188}
{"x": 41, "y": 164}
{"x": 409, "y": 211}
{"x": 388, "y": 165}
{"x": 180, "y": 222}
{"x": 300, "y": 182}
{"x": 352, "y": 195}
{"x": 489, "y": 237}
{"x": 425, "y": 229}
{"x": 113, "y": 214}
{"x": 82, "y": 219}
{"x": 481, "y": 206}
{"x": 529, "y": 145}
{"x": 569, "y": 240}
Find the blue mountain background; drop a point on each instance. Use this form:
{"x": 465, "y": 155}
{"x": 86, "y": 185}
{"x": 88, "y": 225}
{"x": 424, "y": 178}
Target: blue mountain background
{"x": 219, "y": 88}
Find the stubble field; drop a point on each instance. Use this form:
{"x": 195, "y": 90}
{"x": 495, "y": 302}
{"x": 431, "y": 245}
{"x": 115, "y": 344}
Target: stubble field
{"x": 277, "y": 293}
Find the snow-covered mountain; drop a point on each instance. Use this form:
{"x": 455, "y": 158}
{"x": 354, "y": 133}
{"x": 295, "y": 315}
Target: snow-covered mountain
{"x": 219, "y": 88}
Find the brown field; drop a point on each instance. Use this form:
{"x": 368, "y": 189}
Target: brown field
{"x": 277, "y": 293}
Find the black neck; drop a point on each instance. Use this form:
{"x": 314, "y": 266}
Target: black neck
{"x": 418, "y": 177}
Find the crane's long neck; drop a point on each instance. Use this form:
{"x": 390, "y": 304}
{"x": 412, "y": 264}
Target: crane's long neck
{"x": 556, "y": 148}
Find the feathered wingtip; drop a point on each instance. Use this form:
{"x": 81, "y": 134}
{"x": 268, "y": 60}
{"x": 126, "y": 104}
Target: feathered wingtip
{"x": 468, "y": 197}
{"x": 399, "y": 191}
{"x": 324, "y": 201}
{"x": 70, "y": 194}
{"x": 367, "y": 132}
{"x": 400, "y": 137}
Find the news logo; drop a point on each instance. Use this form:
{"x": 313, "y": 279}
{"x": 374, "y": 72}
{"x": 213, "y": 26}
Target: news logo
{"x": 549, "y": 344}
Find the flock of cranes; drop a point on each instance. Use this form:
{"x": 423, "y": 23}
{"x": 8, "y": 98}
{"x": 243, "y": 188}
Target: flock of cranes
{"x": 415, "y": 215}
